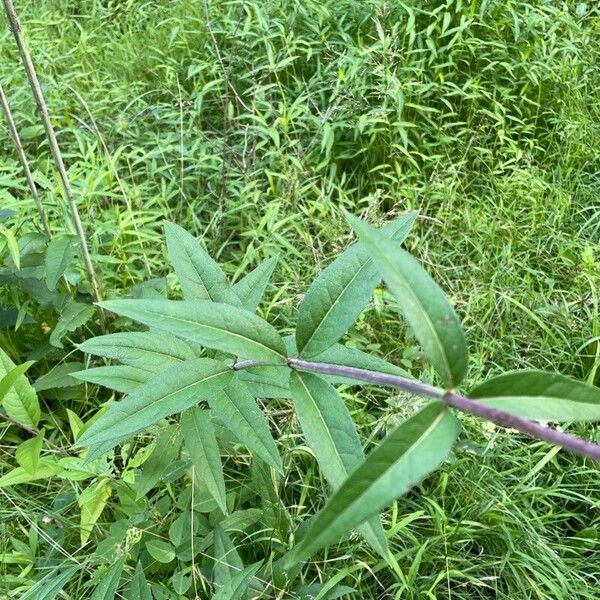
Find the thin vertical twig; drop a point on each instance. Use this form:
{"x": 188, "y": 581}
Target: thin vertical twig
{"x": 14, "y": 135}
{"x": 54, "y": 148}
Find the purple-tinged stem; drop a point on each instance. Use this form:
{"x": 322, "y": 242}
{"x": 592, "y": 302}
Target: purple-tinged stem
{"x": 504, "y": 419}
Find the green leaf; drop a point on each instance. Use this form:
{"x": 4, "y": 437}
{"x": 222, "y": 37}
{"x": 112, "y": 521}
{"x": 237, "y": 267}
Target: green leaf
{"x": 200, "y": 442}
{"x": 121, "y": 378}
{"x": 160, "y": 550}
{"x": 227, "y": 560}
{"x": 215, "y": 325}
{"x": 13, "y": 246}
{"x": 412, "y": 451}
{"x": 46, "y": 468}
{"x": 331, "y": 435}
{"x": 266, "y": 382}
{"x": 92, "y": 502}
{"x": 138, "y": 588}
{"x": 49, "y": 586}
{"x": 251, "y": 288}
{"x": 73, "y": 316}
{"x": 539, "y": 395}
{"x": 422, "y": 302}
{"x": 17, "y": 397}
{"x": 339, "y": 294}
{"x": 164, "y": 454}
{"x": 238, "y": 585}
{"x": 28, "y": 453}
{"x": 200, "y": 276}
{"x": 59, "y": 377}
{"x": 147, "y": 350}
{"x": 60, "y": 253}
{"x": 237, "y": 409}
{"x": 8, "y": 380}
{"x": 167, "y": 393}
{"x": 108, "y": 581}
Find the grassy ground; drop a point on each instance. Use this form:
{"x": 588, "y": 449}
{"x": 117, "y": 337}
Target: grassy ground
{"x": 252, "y": 124}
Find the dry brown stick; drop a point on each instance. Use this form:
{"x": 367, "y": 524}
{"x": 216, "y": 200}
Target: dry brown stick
{"x": 14, "y": 135}
{"x": 54, "y": 148}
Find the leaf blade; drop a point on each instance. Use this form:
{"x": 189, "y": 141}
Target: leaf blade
{"x": 412, "y": 451}
{"x": 199, "y": 275}
{"x": 330, "y": 433}
{"x": 422, "y": 303}
{"x": 164, "y": 394}
{"x": 212, "y": 324}
{"x": 251, "y": 288}
{"x": 533, "y": 394}
{"x": 201, "y": 443}
{"x": 339, "y": 294}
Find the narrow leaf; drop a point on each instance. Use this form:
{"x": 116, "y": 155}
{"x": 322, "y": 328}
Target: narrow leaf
{"x": 237, "y": 409}
{"x": 215, "y": 325}
{"x": 200, "y": 276}
{"x": 422, "y": 302}
{"x": 251, "y": 288}
{"x": 331, "y": 435}
{"x": 92, "y": 502}
{"x": 138, "y": 588}
{"x": 200, "y": 441}
{"x": 339, "y": 294}
{"x": 50, "y": 586}
{"x": 238, "y": 585}
{"x": 59, "y": 377}
{"x": 46, "y": 468}
{"x": 60, "y": 253}
{"x": 165, "y": 394}
{"x": 28, "y": 453}
{"x": 227, "y": 560}
{"x": 73, "y": 316}
{"x": 17, "y": 397}
{"x": 121, "y": 378}
{"x": 541, "y": 396}
{"x": 266, "y": 382}
{"x": 109, "y": 581}
{"x": 402, "y": 459}
{"x": 147, "y": 350}
{"x": 165, "y": 452}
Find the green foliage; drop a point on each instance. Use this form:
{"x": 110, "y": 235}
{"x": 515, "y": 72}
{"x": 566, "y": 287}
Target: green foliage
{"x": 252, "y": 125}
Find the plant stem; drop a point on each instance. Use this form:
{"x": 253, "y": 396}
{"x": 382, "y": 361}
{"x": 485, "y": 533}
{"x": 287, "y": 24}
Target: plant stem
{"x": 14, "y": 134}
{"x": 54, "y": 148}
{"x": 504, "y": 419}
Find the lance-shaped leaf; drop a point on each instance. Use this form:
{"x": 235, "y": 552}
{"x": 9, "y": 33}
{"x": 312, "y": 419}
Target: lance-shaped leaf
{"x": 200, "y": 276}
{"x": 540, "y": 395}
{"x": 149, "y": 350}
{"x": 108, "y": 581}
{"x": 49, "y": 586}
{"x": 422, "y": 303}
{"x": 138, "y": 588}
{"x": 60, "y": 253}
{"x": 200, "y": 442}
{"x": 331, "y": 435}
{"x": 251, "y": 288}
{"x": 412, "y": 451}
{"x": 212, "y": 324}
{"x": 227, "y": 561}
{"x": 121, "y": 378}
{"x": 17, "y": 396}
{"x": 92, "y": 501}
{"x": 236, "y": 588}
{"x": 339, "y": 294}
{"x": 266, "y": 382}
{"x": 73, "y": 316}
{"x": 166, "y": 393}
{"x": 236, "y": 408}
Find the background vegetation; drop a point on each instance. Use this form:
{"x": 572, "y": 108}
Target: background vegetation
{"x": 252, "y": 124}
